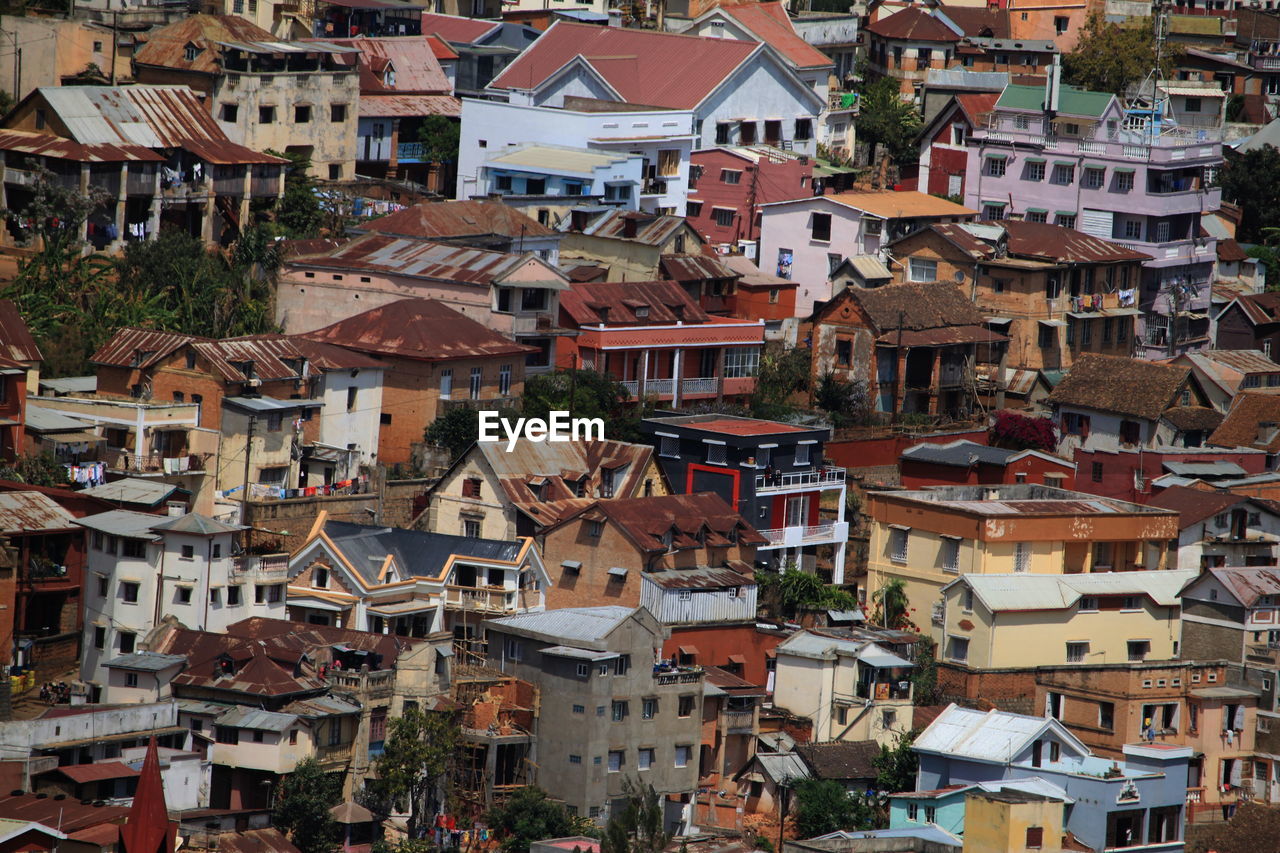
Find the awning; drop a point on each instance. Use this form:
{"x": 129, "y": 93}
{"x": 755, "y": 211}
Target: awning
{"x": 1128, "y": 169}
{"x": 881, "y": 659}
{"x": 1034, "y": 160}
{"x": 78, "y": 437}
{"x": 689, "y": 650}
{"x": 572, "y": 565}
{"x": 1071, "y": 163}
{"x": 739, "y": 659}
{"x": 1095, "y": 166}
{"x": 1064, "y": 213}
{"x": 399, "y": 608}
{"x": 1054, "y": 323}
{"x": 319, "y": 605}
{"x": 173, "y": 427}
{"x": 995, "y": 155}
{"x": 986, "y": 203}
{"x": 1037, "y": 210}
{"x": 618, "y": 572}
{"x": 999, "y": 321}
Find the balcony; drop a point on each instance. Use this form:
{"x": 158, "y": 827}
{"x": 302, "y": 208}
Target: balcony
{"x": 44, "y": 569}
{"x": 267, "y": 568}
{"x": 827, "y": 477}
{"x": 654, "y": 186}
{"x": 491, "y": 599}
{"x": 528, "y": 324}
{"x": 823, "y": 533}
{"x": 884, "y": 691}
{"x": 738, "y": 722}
{"x": 1172, "y": 252}
{"x": 1265, "y": 63}
{"x": 838, "y": 100}
{"x": 410, "y": 152}
{"x": 378, "y": 684}
{"x": 679, "y": 675}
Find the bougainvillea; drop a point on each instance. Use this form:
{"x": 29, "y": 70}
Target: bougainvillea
{"x": 1023, "y": 432}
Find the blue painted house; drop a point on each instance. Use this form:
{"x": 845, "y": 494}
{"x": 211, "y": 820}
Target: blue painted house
{"x": 1109, "y": 805}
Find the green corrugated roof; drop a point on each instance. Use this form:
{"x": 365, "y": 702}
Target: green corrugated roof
{"x": 1071, "y": 101}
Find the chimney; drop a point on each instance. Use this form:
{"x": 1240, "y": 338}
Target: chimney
{"x": 603, "y": 311}
{"x": 1052, "y": 86}
{"x": 579, "y": 219}
{"x": 629, "y": 227}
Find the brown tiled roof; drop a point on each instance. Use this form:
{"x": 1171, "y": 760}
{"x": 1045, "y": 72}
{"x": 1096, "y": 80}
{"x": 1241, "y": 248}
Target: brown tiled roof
{"x": 645, "y": 521}
{"x": 274, "y": 356}
{"x": 583, "y": 302}
{"x": 453, "y": 220}
{"x": 841, "y": 760}
{"x": 1194, "y": 505}
{"x": 933, "y": 305}
{"x": 1229, "y": 250}
{"x": 1188, "y": 418}
{"x": 310, "y": 638}
{"x": 912, "y": 24}
{"x": 166, "y": 47}
{"x": 419, "y": 329}
{"x": 979, "y": 21}
{"x": 1040, "y": 241}
{"x": 263, "y": 669}
{"x": 1243, "y": 425}
{"x": 560, "y": 466}
{"x": 1126, "y": 386}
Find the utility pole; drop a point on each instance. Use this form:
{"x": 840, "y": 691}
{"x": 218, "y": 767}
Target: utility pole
{"x": 248, "y": 452}
{"x": 899, "y": 365}
{"x": 115, "y": 43}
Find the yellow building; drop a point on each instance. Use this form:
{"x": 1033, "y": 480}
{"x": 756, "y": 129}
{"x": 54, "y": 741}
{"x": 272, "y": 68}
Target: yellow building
{"x": 1011, "y": 821}
{"x": 1015, "y": 621}
{"x": 850, "y": 687}
{"x": 928, "y": 537}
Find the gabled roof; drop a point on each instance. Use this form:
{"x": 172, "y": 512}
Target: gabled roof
{"x": 148, "y": 828}
{"x": 418, "y": 329}
{"x": 964, "y": 453}
{"x": 913, "y": 24}
{"x": 1260, "y": 309}
{"x": 416, "y": 552}
{"x": 585, "y": 301}
{"x": 132, "y": 490}
{"x": 1125, "y": 386}
{"x": 1252, "y": 421}
{"x": 256, "y": 668}
{"x": 980, "y": 21}
{"x": 770, "y": 23}
{"x": 974, "y": 106}
{"x": 1026, "y": 592}
{"x": 891, "y": 204}
{"x": 456, "y": 29}
{"x": 273, "y": 356}
{"x": 1246, "y": 583}
{"x": 195, "y": 524}
{"x": 441, "y": 49}
{"x": 416, "y": 258}
{"x": 16, "y": 342}
{"x": 416, "y": 68}
{"x": 988, "y": 736}
{"x": 455, "y": 220}
{"x": 1072, "y": 101}
{"x": 647, "y": 67}
{"x": 651, "y": 229}
{"x": 1195, "y": 505}
{"x": 841, "y": 760}
{"x": 1227, "y": 368}
{"x": 560, "y": 467}
{"x": 1032, "y": 240}
{"x": 166, "y": 46}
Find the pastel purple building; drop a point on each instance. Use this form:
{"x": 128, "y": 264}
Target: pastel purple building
{"x": 1118, "y": 174}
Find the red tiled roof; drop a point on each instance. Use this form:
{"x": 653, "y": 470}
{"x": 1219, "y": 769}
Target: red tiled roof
{"x": 456, "y": 30}
{"x": 1229, "y": 250}
{"x": 643, "y": 66}
{"x": 983, "y": 22}
{"x": 913, "y": 24}
{"x": 743, "y": 426}
{"x": 451, "y": 220}
{"x": 419, "y": 329}
{"x": 769, "y": 23}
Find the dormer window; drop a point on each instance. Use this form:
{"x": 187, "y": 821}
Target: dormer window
{"x": 389, "y": 79}
{"x": 320, "y": 578}
{"x": 668, "y": 539}
{"x": 642, "y": 313}
{"x": 191, "y": 52}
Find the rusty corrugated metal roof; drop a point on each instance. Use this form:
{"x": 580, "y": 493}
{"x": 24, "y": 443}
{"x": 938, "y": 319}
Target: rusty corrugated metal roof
{"x": 376, "y": 106}
{"x": 453, "y": 220}
{"x": 16, "y": 342}
{"x": 415, "y": 259}
{"x": 274, "y": 357}
{"x": 32, "y": 511}
{"x": 166, "y": 47}
{"x": 694, "y": 268}
{"x": 622, "y": 302}
{"x": 560, "y": 467}
{"x": 456, "y": 29}
{"x": 650, "y": 228}
{"x": 416, "y": 69}
{"x": 419, "y": 329}
{"x": 733, "y": 574}
{"x": 44, "y": 144}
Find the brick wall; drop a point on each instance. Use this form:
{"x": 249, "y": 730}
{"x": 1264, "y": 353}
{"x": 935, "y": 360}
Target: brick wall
{"x": 297, "y": 515}
{"x": 1211, "y": 642}
{"x": 1008, "y": 690}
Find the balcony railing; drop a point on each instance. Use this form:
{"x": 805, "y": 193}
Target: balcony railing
{"x": 371, "y": 685}
{"x": 811, "y": 534}
{"x": 733, "y": 721}
{"x": 684, "y": 675}
{"x": 265, "y": 567}
{"x": 1195, "y": 796}
{"x": 884, "y": 690}
{"x": 530, "y": 323}
{"x": 796, "y": 480}
{"x": 494, "y": 599}
{"x": 41, "y": 568}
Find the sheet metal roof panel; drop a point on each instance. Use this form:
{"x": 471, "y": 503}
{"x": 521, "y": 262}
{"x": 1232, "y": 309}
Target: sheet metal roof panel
{"x": 417, "y": 552}
{"x": 1058, "y": 592}
{"x": 31, "y": 511}
{"x": 46, "y": 420}
{"x": 145, "y": 662}
{"x": 419, "y": 329}
{"x": 584, "y": 624}
{"x": 124, "y": 522}
{"x": 983, "y": 735}
{"x": 962, "y": 454}
{"x": 782, "y": 766}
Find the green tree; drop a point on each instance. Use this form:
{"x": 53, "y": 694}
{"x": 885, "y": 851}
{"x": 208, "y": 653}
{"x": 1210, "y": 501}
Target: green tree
{"x": 1252, "y": 180}
{"x": 298, "y": 213}
{"x": 440, "y": 137}
{"x": 456, "y": 429}
{"x": 1269, "y": 257}
{"x": 584, "y": 394}
{"x": 924, "y": 675}
{"x": 1111, "y": 58}
{"x": 783, "y": 373}
{"x": 790, "y": 591}
{"x": 302, "y": 803}
{"x": 637, "y": 827}
{"x": 847, "y": 402}
{"x": 35, "y": 469}
{"x": 884, "y": 119}
{"x": 411, "y": 774}
{"x": 529, "y": 815}
{"x": 820, "y": 806}
{"x": 896, "y": 766}
{"x": 892, "y": 607}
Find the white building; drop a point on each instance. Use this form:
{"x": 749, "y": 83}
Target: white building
{"x": 662, "y": 139}
{"x": 559, "y": 171}
{"x": 142, "y": 568}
